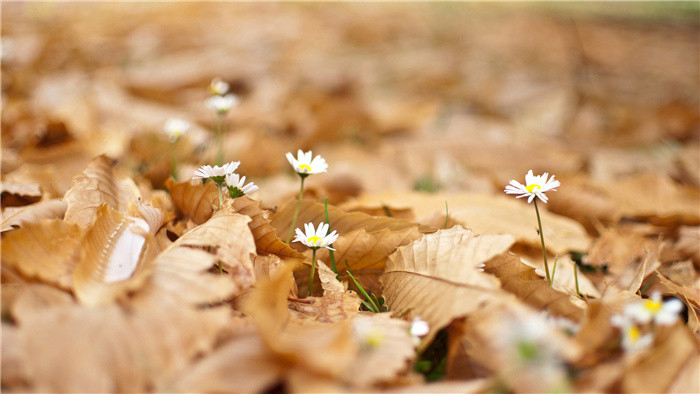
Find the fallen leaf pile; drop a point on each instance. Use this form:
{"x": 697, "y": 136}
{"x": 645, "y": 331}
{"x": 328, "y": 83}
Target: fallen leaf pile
{"x": 120, "y": 273}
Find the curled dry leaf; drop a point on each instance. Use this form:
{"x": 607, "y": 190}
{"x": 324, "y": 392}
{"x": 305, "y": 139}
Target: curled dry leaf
{"x": 488, "y": 214}
{"x": 194, "y": 201}
{"x": 95, "y": 186}
{"x": 266, "y": 241}
{"x": 47, "y": 250}
{"x": 438, "y": 278}
{"x": 19, "y": 194}
{"x": 522, "y": 281}
{"x": 327, "y": 349}
{"x": 113, "y": 259}
{"x": 228, "y": 238}
{"x": 17, "y": 217}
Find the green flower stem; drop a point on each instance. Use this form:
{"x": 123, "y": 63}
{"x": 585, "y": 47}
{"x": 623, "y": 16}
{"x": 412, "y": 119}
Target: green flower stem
{"x": 296, "y": 211}
{"x": 221, "y": 196}
{"x": 332, "y": 254}
{"x": 313, "y": 268}
{"x": 221, "y": 268}
{"x": 576, "y": 278}
{"x": 544, "y": 250}
{"x": 220, "y": 130}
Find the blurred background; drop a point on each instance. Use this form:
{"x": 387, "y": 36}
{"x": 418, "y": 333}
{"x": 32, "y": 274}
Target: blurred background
{"x": 428, "y": 96}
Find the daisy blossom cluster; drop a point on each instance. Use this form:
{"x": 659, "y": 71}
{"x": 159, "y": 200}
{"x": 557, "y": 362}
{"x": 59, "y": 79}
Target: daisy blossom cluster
{"x": 639, "y": 320}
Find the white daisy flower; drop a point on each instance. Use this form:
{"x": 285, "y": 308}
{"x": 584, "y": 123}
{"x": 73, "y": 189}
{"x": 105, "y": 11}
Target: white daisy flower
{"x": 318, "y": 238}
{"x": 303, "y": 164}
{"x": 535, "y": 186}
{"x": 176, "y": 128}
{"x": 632, "y": 340}
{"x": 237, "y": 187}
{"x": 655, "y": 309}
{"x": 218, "y": 87}
{"x": 216, "y": 173}
{"x": 419, "y": 328}
{"x": 367, "y": 333}
{"x": 222, "y": 104}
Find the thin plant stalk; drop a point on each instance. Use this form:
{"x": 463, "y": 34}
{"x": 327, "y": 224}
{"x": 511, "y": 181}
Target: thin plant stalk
{"x": 331, "y": 252}
{"x": 221, "y": 196}
{"x": 544, "y": 251}
{"x": 576, "y": 278}
{"x": 447, "y": 214}
{"x": 375, "y": 307}
{"x": 296, "y": 211}
{"x": 313, "y": 268}
{"x": 220, "y": 130}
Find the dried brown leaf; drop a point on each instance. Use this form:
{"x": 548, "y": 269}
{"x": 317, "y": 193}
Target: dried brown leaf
{"x": 194, "y": 201}
{"x": 266, "y": 240}
{"x": 488, "y": 214}
{"x": 437, "y": 277}
{"x": 47, "y": 250}
{"x": 240, "y": 365}
{"x": 95, "y": 186}
{"x": 113, "y": 259}
{"x": 17, "y": 217}
{"x": 522, "y": 281}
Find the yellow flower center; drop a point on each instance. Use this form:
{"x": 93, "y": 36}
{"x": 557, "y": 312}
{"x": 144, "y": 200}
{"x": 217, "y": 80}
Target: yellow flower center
{"x": 374, "y": 338}
{"x": 305, "y": 167}
{"x": 532, "y": 187}
{"x": 633, "y": 333}
{"x": 314, "y": 240}
{"x": 653, "y": 306}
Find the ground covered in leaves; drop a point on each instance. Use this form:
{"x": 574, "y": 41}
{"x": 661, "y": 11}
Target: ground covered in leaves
{"x": 111, "y": 254}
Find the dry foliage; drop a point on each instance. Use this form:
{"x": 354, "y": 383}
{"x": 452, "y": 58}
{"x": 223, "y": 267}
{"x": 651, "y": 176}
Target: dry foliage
{"x": 122, "y": 273}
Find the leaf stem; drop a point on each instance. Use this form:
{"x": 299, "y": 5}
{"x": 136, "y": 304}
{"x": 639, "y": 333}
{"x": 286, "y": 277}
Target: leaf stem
{"x": 296, "y": 211}
{"x": 544, "y": 250}
{"x": 313, "y": 268}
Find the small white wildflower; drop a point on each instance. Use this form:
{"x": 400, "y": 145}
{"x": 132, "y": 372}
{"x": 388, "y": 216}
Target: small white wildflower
{"x": 367, "y": 333}
{"x": 419, "y": 328}
{"x": 318, "y": 238}
{"x": 218, "y": 87}
{"x": 535, "y": 186}
{"x": 176, "y": 128}
{"x": 222, "y": 104}
{"x": 216, "y": 173}
{"x": 632, "y": 340}
{"x": 237, "y": 187}
{"x": 655, "y": 309}
{"x": 303, "y": 164}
